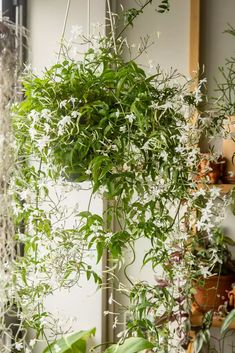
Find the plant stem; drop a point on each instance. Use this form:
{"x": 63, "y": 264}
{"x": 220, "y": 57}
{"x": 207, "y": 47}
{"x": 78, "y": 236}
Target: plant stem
{"x": 137, "y": 13}
{"x": 112, "y": 27}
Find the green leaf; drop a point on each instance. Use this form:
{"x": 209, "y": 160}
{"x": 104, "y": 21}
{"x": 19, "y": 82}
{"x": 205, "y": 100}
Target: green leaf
{"x": 84, "y": 214}
{"x": 131, "y": 345}
{"x": 99, "y": 249}
{"x": 227, "y": 321}
{"x": 198, "y": 343}
{"x": 75, "y": 343}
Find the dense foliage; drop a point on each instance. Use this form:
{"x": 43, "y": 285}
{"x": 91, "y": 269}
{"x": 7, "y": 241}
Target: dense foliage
{"x": 134, "y": 139}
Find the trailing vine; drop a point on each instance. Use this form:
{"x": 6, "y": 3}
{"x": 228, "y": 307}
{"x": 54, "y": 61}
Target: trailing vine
{"x": 133, "y": 139}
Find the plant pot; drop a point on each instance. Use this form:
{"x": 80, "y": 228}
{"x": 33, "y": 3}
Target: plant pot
{"x": 209, "y": 297}
{"x": 212, "y": 170}
{"x": 228, "y": 150}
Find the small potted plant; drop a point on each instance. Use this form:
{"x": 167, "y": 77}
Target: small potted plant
{"x": 211, "y": 168}
{"x": 212, "y": 291}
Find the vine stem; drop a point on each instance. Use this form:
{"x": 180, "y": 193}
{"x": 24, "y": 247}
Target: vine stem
{"x": 112, "y": 26}
{"x": 137, "y": 13}
{"x": 89, "y": 22}
{"x": 64, "y": 28}
{"x": 128, "y": 265}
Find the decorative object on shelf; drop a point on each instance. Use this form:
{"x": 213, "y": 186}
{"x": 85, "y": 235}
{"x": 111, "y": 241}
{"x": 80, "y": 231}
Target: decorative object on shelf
{"x": 228, "y": 150}
{"x": 231, "y": 296}
{"x": 211, "y": 169}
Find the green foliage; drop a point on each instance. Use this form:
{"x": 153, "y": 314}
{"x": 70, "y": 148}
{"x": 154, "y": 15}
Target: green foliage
{"x": 131, "y": 345}
{"x": 203, "y": 336}
{"x": 74, "y": 343}
{"x": 233, "y": 201}
{"x": 227, "y": 321}
{"x": 225, "y": 83}
{"x": 133, "y": 138}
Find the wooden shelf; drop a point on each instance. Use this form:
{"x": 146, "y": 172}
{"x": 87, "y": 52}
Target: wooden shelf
{"x": 197, "y": 319}
{"x": 225, "y": 188}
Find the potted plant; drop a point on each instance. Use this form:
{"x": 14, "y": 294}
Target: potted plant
{"x": 211, "y": 168}
{"x": 212, "y": 292}
{"x": 104, "y": 120}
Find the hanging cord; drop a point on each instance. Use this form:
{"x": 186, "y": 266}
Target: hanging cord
{"x": 112, "y": 26}
{"x": 64, "y": 28}
{"x": 89, "y": 22}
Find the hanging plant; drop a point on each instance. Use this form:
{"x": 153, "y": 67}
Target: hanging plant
{"x": 133, "y": 137}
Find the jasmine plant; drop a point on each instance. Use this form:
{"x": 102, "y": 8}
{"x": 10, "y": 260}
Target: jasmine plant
{"x": 135, "y": 140}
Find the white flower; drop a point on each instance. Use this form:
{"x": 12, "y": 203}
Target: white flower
{"x": 215, "y": 192}
{"x": 130, "y": 117}
{"x": 117, "y": 113}
{"x": 26, "y": 206}
{"x": 88, "y": 172}
{"x": 200, "y": 192}
{"x": 32, "y": 132}
{"x": 56, "y": 348}
{"x": 66, "y": 120}
{"x": 205, "y": 271}
{"x": 18, "y": 346}
{"x": 200, "y": 225}
{"x": 34, "y": 114}
{"x": 32, "y": 342}
{"x": 24, "y": 194}
{"x": 75, "y": 114}
{"x": 164, "y": 155}
{"x": 63, "y": 103}
{"x": 46, "y": 114}
{"x": 27, "y": 350}
{"x": 72, "y": 100}
{"x": 123, "y": 129}
{"x": 42, "y": 142}
{"x": 179, "y": 149}
{"x": 47, "y": 128}
{"x": 60, "y": 131}
{"x": 167, "y": 105}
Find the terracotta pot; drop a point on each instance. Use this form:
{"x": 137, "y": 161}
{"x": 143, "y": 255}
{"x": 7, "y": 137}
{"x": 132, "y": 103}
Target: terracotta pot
{"x": 213, "y": 171}
{"x": 209, "y": 297}
{"x": 228, "y": 150}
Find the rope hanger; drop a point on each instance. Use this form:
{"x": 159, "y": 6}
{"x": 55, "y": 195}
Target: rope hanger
{"x": 66, "y": 21}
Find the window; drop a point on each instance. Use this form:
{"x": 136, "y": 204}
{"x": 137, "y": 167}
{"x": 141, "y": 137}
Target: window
{"x": 15, "y": 10}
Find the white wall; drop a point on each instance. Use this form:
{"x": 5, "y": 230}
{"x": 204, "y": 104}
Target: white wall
{"x": 45, "y": 20}
{"x": 216, "y": 45}
{"x": 169, "y": 31}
